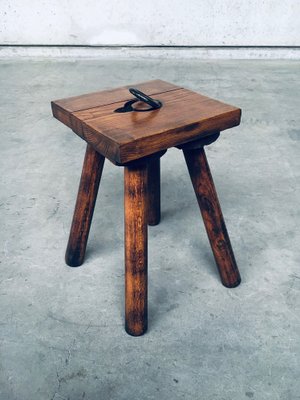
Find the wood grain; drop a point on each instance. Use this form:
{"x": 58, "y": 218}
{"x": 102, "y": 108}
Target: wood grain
{"x": 185, "y": 116}
{"x": 212, "y": 216}
{"x": 135, "y": 207}
{"x": 84, "y": 208}
{"x": 154, "y": 201}
{"x": 104, "y": 97}
{"x": 123, "y": 137}
{"x": 64, "y": 108}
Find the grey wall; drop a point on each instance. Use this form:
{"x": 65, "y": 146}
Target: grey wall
{"x": 156, "y": 22}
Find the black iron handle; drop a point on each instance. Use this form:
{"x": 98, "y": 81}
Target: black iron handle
{"x": 139, "y": 96}
{"x": 145, "y": 98}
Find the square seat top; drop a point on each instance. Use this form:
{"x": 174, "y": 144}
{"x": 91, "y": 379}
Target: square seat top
{"x": 122, "y": 137}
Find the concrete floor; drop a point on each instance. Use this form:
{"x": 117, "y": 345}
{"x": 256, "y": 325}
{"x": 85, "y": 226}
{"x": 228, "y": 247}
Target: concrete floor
{"x": 62, "y": 333}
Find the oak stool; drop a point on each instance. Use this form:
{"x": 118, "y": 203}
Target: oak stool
{"x": 133, "y": 127}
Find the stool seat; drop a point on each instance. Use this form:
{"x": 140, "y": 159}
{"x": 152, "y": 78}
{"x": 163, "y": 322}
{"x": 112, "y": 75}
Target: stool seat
{"x": 122, "y": 137}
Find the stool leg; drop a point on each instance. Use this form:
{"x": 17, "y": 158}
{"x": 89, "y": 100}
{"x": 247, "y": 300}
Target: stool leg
{"x": 212, "y": 216}
{"x": 84, "y": 208}
{"x": 154, "y": 191}
{"x": 135, "y": 201}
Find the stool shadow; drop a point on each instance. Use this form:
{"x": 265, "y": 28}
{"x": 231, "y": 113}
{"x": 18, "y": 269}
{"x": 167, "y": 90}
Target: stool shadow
{"x": 166, "y": 295}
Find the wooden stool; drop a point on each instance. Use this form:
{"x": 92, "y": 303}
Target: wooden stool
{"x": 137, "y": 140}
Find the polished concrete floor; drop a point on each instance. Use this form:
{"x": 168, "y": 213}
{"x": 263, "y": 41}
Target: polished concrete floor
{"x": 61, "y": 329}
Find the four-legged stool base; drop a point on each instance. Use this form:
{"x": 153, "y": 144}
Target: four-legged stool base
{"x": 137, "y": 140}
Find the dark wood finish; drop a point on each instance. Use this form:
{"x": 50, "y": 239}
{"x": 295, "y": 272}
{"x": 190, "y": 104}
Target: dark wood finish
{"x": 137, "y": 140}
{"x": 154, "y": 209}
{"x": 121, "y": 94}
{"x": 154, "y": 192}
{"x": 135, "y": 210}
{"x": 196, "y": 144}
{"x": 84, "y": 208}
{"x": 122, "y": 137}
{"x": 212, "y": 216}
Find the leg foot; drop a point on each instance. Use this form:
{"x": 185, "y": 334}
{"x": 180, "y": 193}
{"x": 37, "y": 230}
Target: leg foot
{"x": 84, "y": 208}
{"x": 135, "y": 198}
{"x": 212, "y": 216}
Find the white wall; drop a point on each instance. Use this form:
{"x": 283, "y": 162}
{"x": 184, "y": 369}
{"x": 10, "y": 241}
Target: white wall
{"x": 152, "y": 22}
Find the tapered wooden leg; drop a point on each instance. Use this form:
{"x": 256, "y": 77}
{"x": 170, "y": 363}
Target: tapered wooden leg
{"x": 84, "y": 208}
{"x": 154, "y": 191}
{"x": 135, "y": 195}
{"x": 212, "y": 216}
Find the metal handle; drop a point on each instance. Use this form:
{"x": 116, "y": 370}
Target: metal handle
{"x": 140, "y": 96}
{"x": 145, "y": 98}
